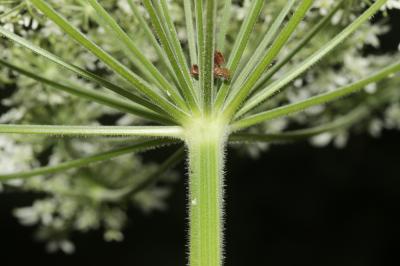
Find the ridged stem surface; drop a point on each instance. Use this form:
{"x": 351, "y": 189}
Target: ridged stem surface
{"x": 206, "y": 142}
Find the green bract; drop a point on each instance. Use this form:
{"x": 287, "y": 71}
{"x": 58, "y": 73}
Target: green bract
{"x": 69, "y": 67}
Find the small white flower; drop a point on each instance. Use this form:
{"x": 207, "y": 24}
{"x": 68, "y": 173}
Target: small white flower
{"x": 375, "y": 127}
{"x": 27, "y": 215}
{"x": 341, "y": 139}
{"x": 113, "y": 235}
{"x": 321, "y": 140}
{"x": 64, "y": 245}
{"x": 67, "y": 246}
{"x": 124, "y": 6}
{"x": 391, "y": 4}
{"x": 371, "y": 88}
{"x": 324, "y": 6}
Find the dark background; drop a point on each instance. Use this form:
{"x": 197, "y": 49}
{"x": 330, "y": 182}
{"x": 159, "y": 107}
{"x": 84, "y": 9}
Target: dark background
{"x": 296, "y": 205}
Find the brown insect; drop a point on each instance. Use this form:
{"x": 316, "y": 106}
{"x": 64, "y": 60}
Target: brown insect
{"x": 222, "y": 73}
{"x": 219, "y": 59}
{"x": 194, "y": 71}
{"x": 219, "y": 72}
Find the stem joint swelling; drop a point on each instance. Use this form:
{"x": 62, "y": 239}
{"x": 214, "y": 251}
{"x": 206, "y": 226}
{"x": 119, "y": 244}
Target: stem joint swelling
{"x": 206, "y": 143}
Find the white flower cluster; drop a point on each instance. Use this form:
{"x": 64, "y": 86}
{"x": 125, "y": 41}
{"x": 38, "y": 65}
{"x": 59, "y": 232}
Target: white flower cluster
{"x": 344, "y": 65}
{"x": 392, "y": 4}
{"x": 81, "y": 199}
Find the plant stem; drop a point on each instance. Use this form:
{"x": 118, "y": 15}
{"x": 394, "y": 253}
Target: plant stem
{"x": 13, "y": 10}
{"x": 226, "y": 16}
{"x": 341, "y": 123}
{"x": 187, "y": 4}
{"x": 206, "y": 155}
{"x": 239, "y": 48}
{"x": 294, "y": 51}
{"x": 152, "y": 39}
{"x": 90, "y": 131}
{"x": 124, "y": 72}
{"x": 208, "y": 54}
{"x": 134, "y": 54}
{"x": 94, "y": 95}
{"x": 316, "y": 100}
{"x": 236, "y": 98}
{"x": 277, "y": 85}
{"x": 79, "y": 71}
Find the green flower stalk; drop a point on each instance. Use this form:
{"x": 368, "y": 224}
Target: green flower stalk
{"x": 206, "y": 141}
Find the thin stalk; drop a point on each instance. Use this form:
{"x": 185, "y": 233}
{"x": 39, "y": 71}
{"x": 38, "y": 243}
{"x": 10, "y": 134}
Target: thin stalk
{"x": 79, "y": 71}
{"x": 93, "y": 95}
{"x": 310, "y": 61}
{"x": 90, "y": 131}
{"x": 170, "y": 28}
{"x": 133, "y": 52}
{"x": 206, "y": 145}
{"x": 172, "y": 36}
{"x": 224, "y": 24}
{"x": 191, "y": 36}
{"x": 169, "y": 46}
{"x": 150, "y": 178}
{"x": 120, "y": 38}
{"x": 239, "y": 48}
{"x": 129, "y": 190}
{"x": 198, "y": 6}
{"x": 303, "y": 42}
{"x": 262, "y": 47}
{"x": 338, "y": 124}
{"x": 141, "y": 146}
{"x": 9, "y": 2}
{"x": 9, "y": 12}
{"x": 316, "y": 100}
{"x": 236, "y": 99}
{"x": 114, "y": 64}
{"x": 207, "y": 72}
{"x": 150, "y": 36}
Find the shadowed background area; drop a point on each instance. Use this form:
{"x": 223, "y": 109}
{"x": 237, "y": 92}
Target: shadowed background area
{"x": 295, "y": 205}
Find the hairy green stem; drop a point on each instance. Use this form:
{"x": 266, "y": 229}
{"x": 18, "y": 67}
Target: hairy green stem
{"x": 198, "y": 7}
{"x": 206, "y": 144}
{"x": 187, "y": 4}
{"x": 208, "y": 54}
{"x": 90, "y": 131}
{"x": 223, "y": 28}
